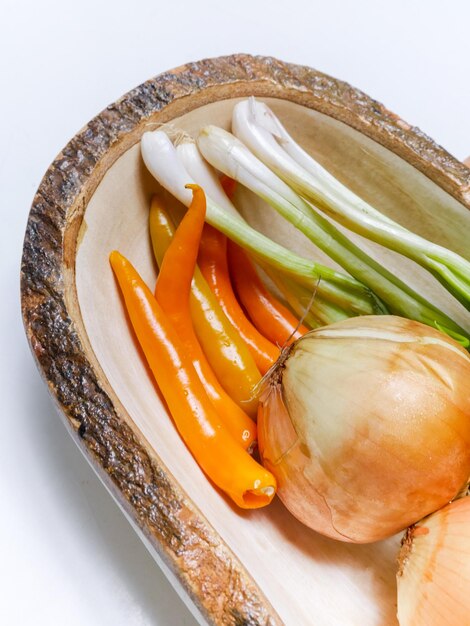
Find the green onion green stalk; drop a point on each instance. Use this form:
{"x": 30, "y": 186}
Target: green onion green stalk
{"x": 262, "y": 132}
{"x": 229, "y": 155}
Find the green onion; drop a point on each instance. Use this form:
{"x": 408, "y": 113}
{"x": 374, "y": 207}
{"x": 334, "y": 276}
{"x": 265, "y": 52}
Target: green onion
{"x": 227, "y": 154}
{"x": 205, "y": 176}
{"x": 262, "y": 132}
{"x": 164, "y": 163}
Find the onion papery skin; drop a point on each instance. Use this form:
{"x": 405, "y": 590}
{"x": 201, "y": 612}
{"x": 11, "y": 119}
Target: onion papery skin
{"x": 366, "y": 426}
{"x": 434, "y": 574}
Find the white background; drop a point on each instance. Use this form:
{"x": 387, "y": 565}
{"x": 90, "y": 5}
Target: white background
{"x": 68, "y": 556}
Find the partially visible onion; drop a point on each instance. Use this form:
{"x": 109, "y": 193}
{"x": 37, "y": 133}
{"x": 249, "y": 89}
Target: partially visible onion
{"x": 434, "y": 573}
{"x": 366, "y": 426}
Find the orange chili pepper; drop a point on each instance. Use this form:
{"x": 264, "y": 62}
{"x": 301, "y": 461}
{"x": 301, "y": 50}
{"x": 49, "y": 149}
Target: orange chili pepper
{"x": 270, "y": 317}
{"x": 214, "y": 266}
{"x": 227, "y": 353}
{"x": 222, "y": 459}
{"x": 172, "y": 293}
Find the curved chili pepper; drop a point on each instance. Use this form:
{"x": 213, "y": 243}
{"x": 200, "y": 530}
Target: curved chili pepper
{"x": 223, "y": 460}
{"x": 214, "y": 267}
{"x": 172, "y": 292}
{"x": 223, "y": 347}
{"x": 270, "y": 317}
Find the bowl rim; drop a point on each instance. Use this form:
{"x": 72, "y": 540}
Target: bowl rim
{"x": 175, "y": 530}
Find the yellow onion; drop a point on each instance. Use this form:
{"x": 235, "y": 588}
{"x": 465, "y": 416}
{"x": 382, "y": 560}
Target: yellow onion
{"x": 434, "y": 569}
{"x": 366, "y": 426}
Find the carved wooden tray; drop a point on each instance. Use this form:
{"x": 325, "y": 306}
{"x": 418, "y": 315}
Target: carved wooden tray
{"x": 235, "y": 567}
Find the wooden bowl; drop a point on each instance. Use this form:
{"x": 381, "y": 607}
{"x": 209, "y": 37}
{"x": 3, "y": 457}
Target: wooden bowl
{"x": 260, "y": 567}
